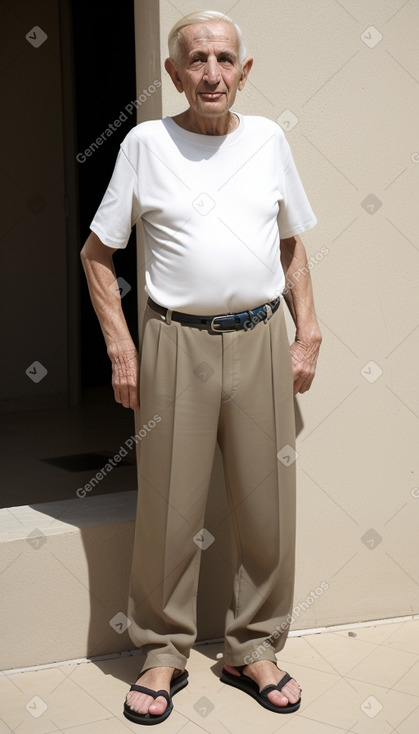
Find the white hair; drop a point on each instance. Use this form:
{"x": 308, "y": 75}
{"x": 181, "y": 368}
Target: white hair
{"x": 201, "y": 16}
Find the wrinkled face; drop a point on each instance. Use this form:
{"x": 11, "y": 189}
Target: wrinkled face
{"x": 209, "y": 70}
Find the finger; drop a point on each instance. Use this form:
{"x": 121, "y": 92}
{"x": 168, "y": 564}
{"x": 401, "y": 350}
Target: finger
{"x": 297, "y": 386}
{"x": 133, "y": 398}
{"x": 117, "y": 393}
{"x": 303, "y": 388}
{"x": 125, "y": 395}
{"x": 132, "y": 393}
{"x": 120, "y": 393}
{"x": 306, "y": 383}
{"x": 302, "y": 379}
{"x": 297, "y": 376}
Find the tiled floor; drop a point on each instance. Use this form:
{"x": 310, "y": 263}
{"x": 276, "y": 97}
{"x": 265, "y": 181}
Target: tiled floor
{"x": 363, "y": 680}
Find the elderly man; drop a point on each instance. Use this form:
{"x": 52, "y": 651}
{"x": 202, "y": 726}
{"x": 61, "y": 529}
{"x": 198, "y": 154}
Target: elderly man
{"x": 221, "y": 204}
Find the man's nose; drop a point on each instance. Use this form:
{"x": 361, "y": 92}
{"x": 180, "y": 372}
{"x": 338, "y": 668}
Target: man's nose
{"x": 212, "y": 71}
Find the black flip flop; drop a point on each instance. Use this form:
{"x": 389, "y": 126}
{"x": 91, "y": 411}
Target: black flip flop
{"x": 246, "y": 684}
{"x": 176, "y": 685}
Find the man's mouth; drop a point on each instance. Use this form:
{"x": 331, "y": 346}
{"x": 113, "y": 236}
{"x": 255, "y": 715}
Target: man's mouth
{"x": 211, "y": 95}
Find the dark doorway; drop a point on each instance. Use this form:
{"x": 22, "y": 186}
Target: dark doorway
{"x": 104, "y": 62}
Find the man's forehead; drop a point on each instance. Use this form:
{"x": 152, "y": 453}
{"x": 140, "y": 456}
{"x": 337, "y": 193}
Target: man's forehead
{"x": 198, "y": 35}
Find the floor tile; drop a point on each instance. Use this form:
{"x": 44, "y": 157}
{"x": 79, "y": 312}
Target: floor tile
{"x": 299, "y": 724}
{"x": 105, "y": 726}
{"x": 341, "y": 653}
{"x": 364, "y": 709}
{"x": 410, "y": 725}
{"x": 299, "y": 650}
{"x": 409, "y": 683}
{"x": 384, "y": 666}
{"x": 405, "y": 637}
{"x": 191, "y": 728}
{"x": 396, "y": 708}
{"x": 340, "y": 707}
{"x": 102, "y": 682}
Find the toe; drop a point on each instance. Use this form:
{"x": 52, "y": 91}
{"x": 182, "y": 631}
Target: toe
{"x": 278, "y": 698}
{"x": 158, "y": 706}
{"x": 289, "y": 694}
{"x": 292, "y": 691}
{"x": 130, "y": 699}
{"x": 142, "y": 704}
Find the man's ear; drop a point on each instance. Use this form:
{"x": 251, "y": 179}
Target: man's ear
{"x": 247, "y": 65}
{"x": 172, "y": 71}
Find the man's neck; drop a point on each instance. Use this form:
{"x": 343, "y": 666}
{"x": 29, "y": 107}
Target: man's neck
{"x": 207, "y": 125}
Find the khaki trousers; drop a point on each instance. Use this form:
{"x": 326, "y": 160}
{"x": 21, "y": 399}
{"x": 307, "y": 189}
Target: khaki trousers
{"x": 234, "y": 388}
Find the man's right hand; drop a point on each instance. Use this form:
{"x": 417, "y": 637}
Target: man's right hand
{"x": 125, "y": 375}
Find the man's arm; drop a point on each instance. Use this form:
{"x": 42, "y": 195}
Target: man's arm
{"x": 98, "y": 265}
{"x": 298, "y": 295}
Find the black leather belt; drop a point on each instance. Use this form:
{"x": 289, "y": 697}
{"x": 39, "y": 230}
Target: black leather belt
{"x": 246, "y": 320}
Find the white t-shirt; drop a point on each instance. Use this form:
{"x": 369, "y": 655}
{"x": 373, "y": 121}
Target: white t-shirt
{"x": 213, "y": 210}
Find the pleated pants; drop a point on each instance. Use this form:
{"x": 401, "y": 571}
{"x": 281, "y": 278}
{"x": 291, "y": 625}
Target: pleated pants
{"x": 197, "y": 388}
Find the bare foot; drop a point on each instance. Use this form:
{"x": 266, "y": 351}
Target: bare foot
{"x": 265, "y": 673}
{"x": 157, "y": 679}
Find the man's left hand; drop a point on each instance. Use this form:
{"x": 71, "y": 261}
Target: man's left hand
{"x": 304, "y": 353}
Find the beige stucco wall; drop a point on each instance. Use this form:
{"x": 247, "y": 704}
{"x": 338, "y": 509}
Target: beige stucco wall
{"x": 354, "y": 98}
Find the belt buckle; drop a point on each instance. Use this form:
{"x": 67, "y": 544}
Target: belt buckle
{"x": 269, "y": 312}
{"x": 270, "y": 308}
{"x": 213, "y": 325}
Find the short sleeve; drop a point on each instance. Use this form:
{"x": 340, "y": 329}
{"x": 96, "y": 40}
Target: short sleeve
{"x": 295, "y": 212}
{"x": 119, "y": 208}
